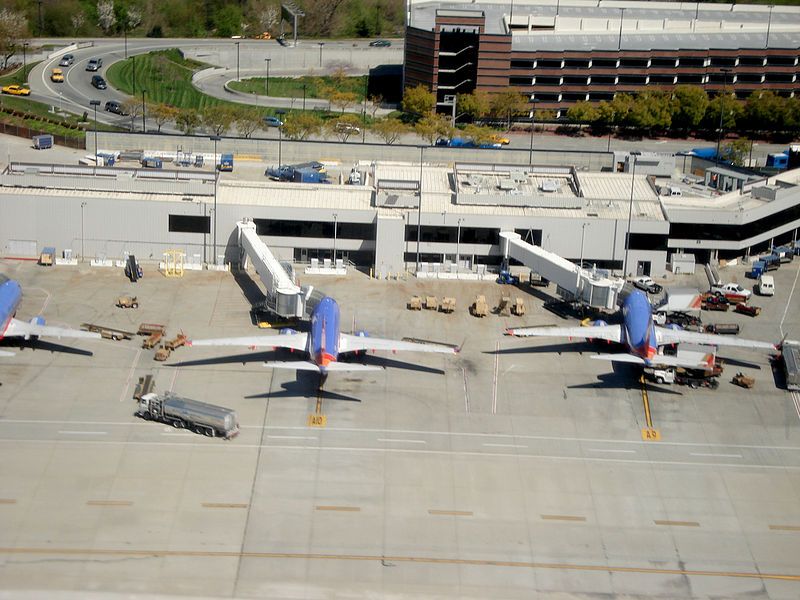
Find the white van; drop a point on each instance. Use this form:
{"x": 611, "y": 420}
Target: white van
{"x": 766, "y": 285}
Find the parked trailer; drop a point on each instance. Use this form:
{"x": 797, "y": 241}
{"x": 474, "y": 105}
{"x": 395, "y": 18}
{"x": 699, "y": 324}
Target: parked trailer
{"x": 107, "y": 332}
{"x": 791, "y": 364}
{"x": 200, "y": 417}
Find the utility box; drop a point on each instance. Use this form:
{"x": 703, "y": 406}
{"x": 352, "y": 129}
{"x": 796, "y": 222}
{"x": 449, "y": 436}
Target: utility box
{"x": 42, "y": 142}
{"x": 152, "y": 162}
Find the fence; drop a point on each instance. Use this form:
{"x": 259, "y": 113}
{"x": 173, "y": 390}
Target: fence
{"x": 26, "y": 132}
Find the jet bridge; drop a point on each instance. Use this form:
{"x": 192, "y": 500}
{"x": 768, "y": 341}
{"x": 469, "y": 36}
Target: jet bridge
{"x": 589, "y": 286}
{"x": 284, "y": 297}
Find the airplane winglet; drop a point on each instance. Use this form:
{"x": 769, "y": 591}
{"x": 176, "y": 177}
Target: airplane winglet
{"x": 458, "y": 349}
{"x": 508, "y": 331}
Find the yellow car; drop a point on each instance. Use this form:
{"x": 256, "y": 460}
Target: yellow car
{"x": 499, "y": 139}
{"x": 16, "y": 90}
{"x": 57, "y": 76}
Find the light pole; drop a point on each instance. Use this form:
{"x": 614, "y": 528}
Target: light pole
{"x": 635, "y": 154}
{"x": 535, "y": 101}
{"x": 769, "y": 22}
{"x": 237, "y": 61}
{"x": 364, "y": 112}
{"x": 25, "y": 61}
{"x": 280, "y": 112}
{"x": 721, "y": 111}
{"x": 580, "y": 264}
{"x": 335, "y": 222}
{"x": 458, "y": 245}
{"x": 266, "y": 83}
{"x": 621, "y": 19}
{"x": 83, "y": 204}
{"x": 321, "y": 44}
{"x": 215, "y": 139}
{"x": 304, "y": 96}
{"x": 144, "y": 112}
{"x": 95, "y": 104}
{"x": 124, "y": 32}
{"x": 133, "y": 66}
{"x": 419, "y": 206}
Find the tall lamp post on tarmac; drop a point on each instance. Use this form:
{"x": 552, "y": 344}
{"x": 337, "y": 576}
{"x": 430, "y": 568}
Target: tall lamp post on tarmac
{"x": 534, "y": 101}
{"x": 280, "y": 113}
{"x": 95, "y": 104}
{"x": 215, "y": 139}
{"x": 266, "y": 83}
{"x": 721, "y": 110}
{"x": 635, "y": 155}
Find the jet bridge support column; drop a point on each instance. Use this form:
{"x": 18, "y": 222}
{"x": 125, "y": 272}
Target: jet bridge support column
{"x": 589, "y": 286}
{"x": 284, "y": 297}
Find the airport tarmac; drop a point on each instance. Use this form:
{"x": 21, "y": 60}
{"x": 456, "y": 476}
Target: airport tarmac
{"x": 515, "y": 469}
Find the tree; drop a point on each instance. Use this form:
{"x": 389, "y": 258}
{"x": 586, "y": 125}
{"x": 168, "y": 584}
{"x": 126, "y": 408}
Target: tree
{"x": 736, "y": 151}
{"x": 343, "y": 100}
{"x": 731, "y": 112}
{"x": 419, "y": 101}
{"x": 375, "y": 104}
{"x": 479, "y": 134}
{"x": 652, "y": 111}
{"x": 134, "y": 109}
{"x": 163, "y": 113}
{"x": 320, "y": 17}
{"x": 247, "y": 121}
{"x": 344, "y": 127}
{"x": 432, "y": 127}
{"x": 583, "y": 112}
{"x": 476, "y": 105}
{"x": 133, "y": 18}
{"x": 766, "y": 111}
{"x": 188, "y": 121}
{"x": 217, "y": 119}
{"x": 78, "y": 19}
{"x": 389, "y": 130}
{"x": 13, "y": 29}
{"x": 691, "y": 102}
{"x": 508, "y": 103}
{"x": 301, "y": 125}
{"x": 106, "y": 18}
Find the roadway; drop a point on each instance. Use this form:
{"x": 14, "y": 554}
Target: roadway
{"x": 517, "y": 467}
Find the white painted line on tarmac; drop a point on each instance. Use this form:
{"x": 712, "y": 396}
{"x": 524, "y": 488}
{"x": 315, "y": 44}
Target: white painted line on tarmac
{"x": 399, "y": 441}
{"x": 504, "y": 445}
{"x": 789, "y": 301}
{"x": 183, "y": 434}
{"x": 612, "y": 450}
{"x": 715, "y": 455}
{"x": 66, "y": 432}
{"x": 466, "y": 391}
{"x": 130, "y": 375}
{"x": 494, "y": 381}
{"x": 174, "y": 377}
{"x": 293, "y": 437}
{"x": 796, "y": 400}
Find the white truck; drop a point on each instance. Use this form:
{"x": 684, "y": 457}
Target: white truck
{"x": 202, "y": 418}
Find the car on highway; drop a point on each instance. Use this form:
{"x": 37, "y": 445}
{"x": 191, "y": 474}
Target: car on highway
{"x": 66, "y": 60}
{"x": 499, "y": 139}
{"x": 380, "y": 43}
{"x": 347, "y": 128}
{"x": 99, "y": 82}
{"x": 16, "y": 90}
{"x": 273, "y": 121}
{"x": 115, "y": 107}
{"x": 646, "y": 284}
{"x": 57, "y": 76}
{"x": 94, "y": 64}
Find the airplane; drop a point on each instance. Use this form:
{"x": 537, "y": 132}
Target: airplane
{"x": 10, "y": 297}
{"x": 325, "y": 344}
{"x": 643, "y": 337}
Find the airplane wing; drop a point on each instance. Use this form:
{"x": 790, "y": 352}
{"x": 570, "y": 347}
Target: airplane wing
{"x": 305, "y": 365}
{"x": 676, "y": 336}
{"x": 700, "y": 362}
{"x": 3, "y": 353}
{"x": 612, "y": 333}
{"x": 292, "y": 341}
{"x": 17, "y": 328}
{"x": 356, "y": 343}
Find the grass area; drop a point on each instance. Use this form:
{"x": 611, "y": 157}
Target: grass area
{"x": 292, "y": 87}
{"x": 167, "y": 77}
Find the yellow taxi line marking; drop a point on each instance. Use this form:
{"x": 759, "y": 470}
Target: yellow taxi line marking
{"x": 785, "y": 527}
{"x": 563, "y": 518}
{"x": 7, "y": 501}
{"x": 223, "y": 505}
{"x": 646, "y": 401}
{"x": 109, "y": 503}
{"x": 451, "y": 513}
{"x": 340, "y": 508}
{"x": 407, "y": 559}
{"x": 677, "y": 523}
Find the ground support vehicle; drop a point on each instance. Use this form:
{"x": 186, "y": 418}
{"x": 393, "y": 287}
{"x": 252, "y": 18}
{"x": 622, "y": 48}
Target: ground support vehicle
{"x": 107, "y": 332}
{"x": 695, "y": 379}
{"x": 48, "y": 257}
{"x": 504, "y": 306}
{"x": 42, "y": 142}
{"x": 479, "y": 307}
{"x": 743, "y": 380}
{"x": 200, "y": 417}
{"x": 714, "y": 302}
{"x": 133, "y": 270}
{"x": 747, "y": 309}
{"x": 415, "y": 303}
{"x": 150, "y": 328}
{"x": 144, "y": 386}
{"x": 448, "y": 305}
{"x": 225, "y": 162}
{"x": 536, "y": 280}
{"x": 518, "y": 308}
{"x": 431, "y": 303}
{"x": 152, "y": 340}
{"x": 506, "y": 278}
{"x": 176, "y": 342}
{"x": 127, "y": 302}
{"x": 162, "y": 354}
{"x": 723, "y": 328}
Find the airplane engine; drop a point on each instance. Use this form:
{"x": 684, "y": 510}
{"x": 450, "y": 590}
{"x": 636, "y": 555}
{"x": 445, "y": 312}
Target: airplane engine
{"x": 599, "y": 323}
{"x": 35, "y": 321}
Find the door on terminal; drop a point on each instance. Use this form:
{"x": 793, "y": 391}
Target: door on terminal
{"x": 643, "y": 267}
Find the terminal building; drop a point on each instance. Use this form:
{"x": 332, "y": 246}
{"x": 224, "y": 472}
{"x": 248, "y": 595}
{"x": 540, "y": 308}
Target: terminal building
{"x": 432, "y": 218}
{"x": 559, "y": 52}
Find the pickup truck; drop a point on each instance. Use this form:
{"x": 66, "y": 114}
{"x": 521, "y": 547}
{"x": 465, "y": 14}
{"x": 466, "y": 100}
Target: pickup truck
{"x": 733, "y": 292}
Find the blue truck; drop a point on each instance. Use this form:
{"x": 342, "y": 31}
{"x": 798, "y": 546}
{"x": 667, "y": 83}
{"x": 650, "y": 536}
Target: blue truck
{"x": 225, "y": 162}
{"x": 465, "y": 143}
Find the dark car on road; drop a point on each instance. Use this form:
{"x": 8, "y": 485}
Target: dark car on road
{"x": 115, "y": 107}
{"x": 99, "y": 82}
{"x": 380, "y": 43}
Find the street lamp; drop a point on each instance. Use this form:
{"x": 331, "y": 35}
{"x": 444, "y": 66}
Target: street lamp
{"x": 280, "y": 112}
{"x": 95, "y": 104}
{"x": 364, "y": 113}
{"x": 321, "y": 44}
{"x": 83, "y": 205}
{"x": 534, "y": 101}
{"x": 266, "y": 83}
{"x": 621, "y": 19}
{"x": 721, "y": 111}
{"x": 419, "y": 206}
{"x": 769, "y": 22}
{"x": 144, "y": 112}
{"x": 635, "y": 154}
{"x": 304, "y": 96}
{"x": 458, "y": 245}
{"x": 215, "y": 139}
{"x": 335, "y": 222}
{"x": 237, "y": 61}
{"x": 25, "y": 61}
